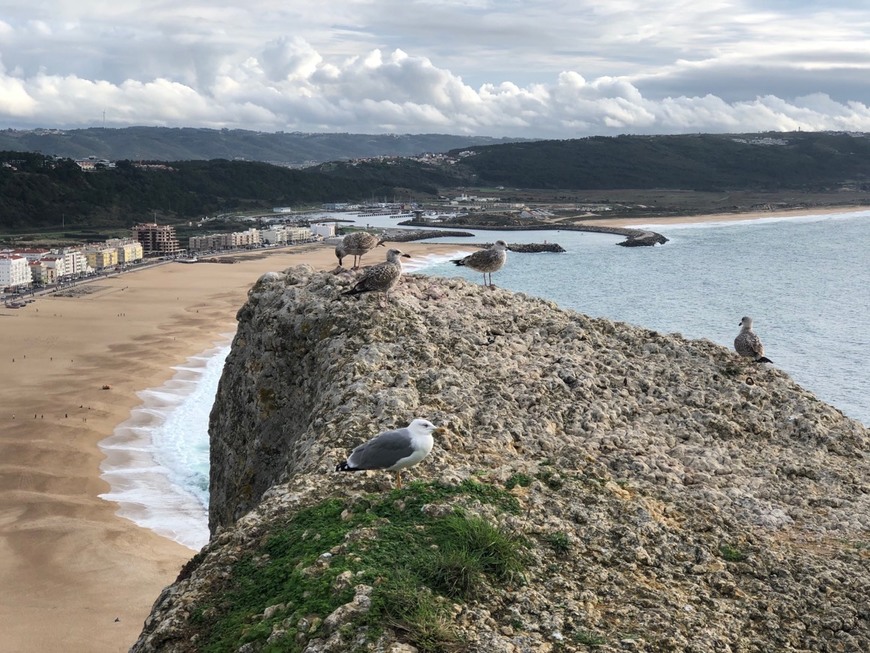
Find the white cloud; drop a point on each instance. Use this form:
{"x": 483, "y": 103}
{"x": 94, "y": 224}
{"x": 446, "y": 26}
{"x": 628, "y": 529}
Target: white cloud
{"x": 540, "y": 68}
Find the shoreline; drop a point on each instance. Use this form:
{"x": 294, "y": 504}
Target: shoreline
{"x": 66, "y": 557}
{"x": 721, "y": 217}
{"x": 77, "y": 576}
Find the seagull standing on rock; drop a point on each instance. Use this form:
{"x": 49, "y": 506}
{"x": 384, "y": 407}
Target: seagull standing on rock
{"x": 748, "y": 344}
{"x": 393, "y": 450}
{"x": 487, "y": 260}
{"x": 382, "y": 277}
{"x": 356, "y": 244}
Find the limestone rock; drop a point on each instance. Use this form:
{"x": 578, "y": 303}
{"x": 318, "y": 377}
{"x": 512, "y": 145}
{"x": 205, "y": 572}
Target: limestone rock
{"x": 668, "y": 504}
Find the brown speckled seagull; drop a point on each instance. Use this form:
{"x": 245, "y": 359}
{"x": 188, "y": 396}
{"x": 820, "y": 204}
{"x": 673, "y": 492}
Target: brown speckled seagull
{"x": 382, "y": 277}
{"x": 356, "y": 244}
{"x": 748, "y": 344}
{"x": 487, "y": 260}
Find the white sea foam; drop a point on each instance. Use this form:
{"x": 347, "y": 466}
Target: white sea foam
{"x": 422, "y": 262}
{"x": 157, "y": 461}
{"x": 748, "y": 222}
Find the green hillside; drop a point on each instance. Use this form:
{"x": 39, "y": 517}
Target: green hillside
{"x": 773, "y": 161}
{"x": 38, "y": 191}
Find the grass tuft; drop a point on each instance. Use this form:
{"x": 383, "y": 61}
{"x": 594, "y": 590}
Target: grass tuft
{"x": 411, "y": 559}
{"x": 731, "y": 553}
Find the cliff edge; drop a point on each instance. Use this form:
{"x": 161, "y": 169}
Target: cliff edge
{"x": 602, "y": 487}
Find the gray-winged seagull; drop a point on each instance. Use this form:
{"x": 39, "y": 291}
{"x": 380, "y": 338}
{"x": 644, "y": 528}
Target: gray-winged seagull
{"x": 382, "y": 277}
{"x": 393, "y": 450}
{"x": 487, "y": 260}
{"x": 356, "y": 244}
{"x": 748, "y": 344}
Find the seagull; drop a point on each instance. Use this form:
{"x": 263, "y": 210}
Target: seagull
{"x": 393, "y": 450}
{"x": 382, "y": 277}
{"x": 488, "y": 260}
{"x": 356, "y": 244}
{"x": 748, "y": 344}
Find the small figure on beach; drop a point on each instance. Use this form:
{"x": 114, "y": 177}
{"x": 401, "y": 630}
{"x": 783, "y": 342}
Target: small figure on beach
{"x": 748, "y": 344}
{"x": 382, "y": 277}
{"x": 356, "y": 244}
{"x": 394, "y": 450}
{"x": 487, "y": 260}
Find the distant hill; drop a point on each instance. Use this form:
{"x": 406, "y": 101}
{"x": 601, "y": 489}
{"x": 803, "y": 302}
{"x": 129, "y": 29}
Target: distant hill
{"x": 187, "y": 144}
{"x": 772, "y": 161}
{"x": 38, "y": 190}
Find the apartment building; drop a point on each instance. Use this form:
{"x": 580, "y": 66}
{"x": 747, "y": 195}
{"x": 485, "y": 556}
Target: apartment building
{"x": 281, "y": 234}
{"x": 102, "y": 257}
{"x": 157, "y": 240}
{"x": 129, "y": 251}
{"x": 75, "y": 263}
{"x": 14, "y": 271}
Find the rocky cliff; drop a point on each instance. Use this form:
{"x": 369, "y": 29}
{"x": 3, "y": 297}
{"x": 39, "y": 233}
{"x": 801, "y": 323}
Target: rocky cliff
{"x": 602, "y": 487}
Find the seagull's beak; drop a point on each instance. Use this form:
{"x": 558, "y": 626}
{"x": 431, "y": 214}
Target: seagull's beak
{"x": 380, "y": 244}
{"x": 440, "y": 431}
{"x": 406, "y": 256}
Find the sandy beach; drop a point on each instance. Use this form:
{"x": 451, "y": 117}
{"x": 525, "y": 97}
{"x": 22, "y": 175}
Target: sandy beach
{"x": 75, "y": 577}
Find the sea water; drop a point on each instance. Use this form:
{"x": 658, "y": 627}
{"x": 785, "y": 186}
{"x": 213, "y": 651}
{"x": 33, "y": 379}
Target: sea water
{"x": 805, "y": 281}
{"x": 157, "y": 461}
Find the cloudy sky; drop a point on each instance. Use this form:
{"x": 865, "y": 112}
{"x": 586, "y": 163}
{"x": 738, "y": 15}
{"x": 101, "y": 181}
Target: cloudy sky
{"x": 534, "y": 68}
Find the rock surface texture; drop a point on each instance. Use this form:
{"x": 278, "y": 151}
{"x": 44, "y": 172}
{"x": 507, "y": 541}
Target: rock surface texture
{"x": 666, "y": 500}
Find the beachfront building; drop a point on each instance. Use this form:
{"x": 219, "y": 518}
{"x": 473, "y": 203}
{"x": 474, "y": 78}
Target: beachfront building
{"x": 248, "y": 238}
{"x": 75, "y": 263}
{"x": 41, "y": 274}
{"x": 14, "y": 271}
{"x": 129, "y": 250}
{"x": 52, "y": 268}
{"x": 102, "y": 257}
{"x": 324, "y": 229}
{"x": 234, "y": 240}
{"x": 281, "y": 234}
{"x": 157, "y": 240}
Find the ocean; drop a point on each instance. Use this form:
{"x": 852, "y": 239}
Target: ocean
{"x": 805, "y": 281}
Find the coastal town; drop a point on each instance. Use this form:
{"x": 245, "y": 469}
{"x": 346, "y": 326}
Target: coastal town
{"x": 24, "y": 271}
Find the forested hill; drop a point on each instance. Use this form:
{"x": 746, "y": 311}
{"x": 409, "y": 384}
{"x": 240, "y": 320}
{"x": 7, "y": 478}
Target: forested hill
{"x": 186, "y": 144}
{"x": 772, "y": 161}
{"x": 37, "y": 190}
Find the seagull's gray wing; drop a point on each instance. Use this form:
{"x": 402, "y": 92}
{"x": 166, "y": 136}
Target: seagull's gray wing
{"x": 383, "y": 451}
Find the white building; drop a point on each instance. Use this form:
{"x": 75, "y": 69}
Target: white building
{"x": 14, "y": 271}
{"x": 280, "y": 234}
{"x": 54, "y": 265}
{"x": 324, "y": 229}
{"x": 75, "y": 263}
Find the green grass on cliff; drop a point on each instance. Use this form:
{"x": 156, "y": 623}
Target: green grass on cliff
{"x": 418, "y": 561}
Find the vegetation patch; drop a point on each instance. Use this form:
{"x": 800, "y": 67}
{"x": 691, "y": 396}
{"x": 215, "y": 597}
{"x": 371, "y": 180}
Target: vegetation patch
{"x": 731, "y": 553}
{"x": 418, "y": 562}
{"x": 523, "y": 480}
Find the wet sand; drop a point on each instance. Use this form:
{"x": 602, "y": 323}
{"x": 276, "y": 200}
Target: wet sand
{"x": 76, "y": 577}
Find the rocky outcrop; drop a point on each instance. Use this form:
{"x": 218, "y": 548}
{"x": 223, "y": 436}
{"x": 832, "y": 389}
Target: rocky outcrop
{"x": 643, "y": 239}
{"x": 634, "y": 237}
{"x": 602, "y": 486}
{"x": 536, "y": 248}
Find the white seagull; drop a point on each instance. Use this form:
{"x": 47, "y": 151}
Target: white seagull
{"x": 393, "y": 450}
